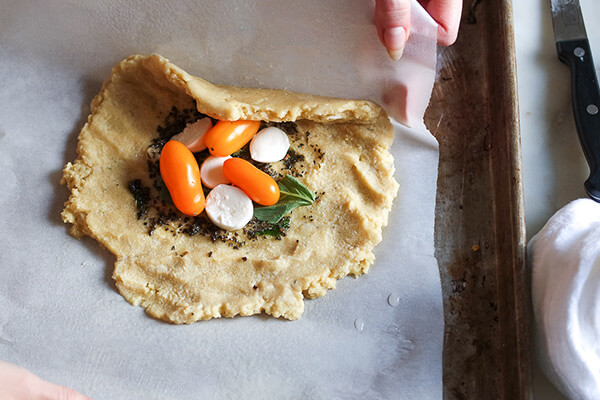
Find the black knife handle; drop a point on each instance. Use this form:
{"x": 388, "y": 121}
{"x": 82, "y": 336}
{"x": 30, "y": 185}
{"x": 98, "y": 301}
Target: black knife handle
{"x": 586, "y": 105}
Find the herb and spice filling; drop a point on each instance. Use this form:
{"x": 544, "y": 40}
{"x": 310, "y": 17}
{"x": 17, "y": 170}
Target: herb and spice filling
{"x": 157, "y": 211}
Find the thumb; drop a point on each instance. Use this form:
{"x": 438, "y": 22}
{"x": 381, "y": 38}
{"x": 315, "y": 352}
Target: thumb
{"x": 392, "y": 19}
{"x": 447, "y": 14}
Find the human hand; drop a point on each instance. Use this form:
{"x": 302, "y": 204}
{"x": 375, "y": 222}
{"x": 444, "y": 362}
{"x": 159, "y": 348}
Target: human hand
{"x": 392, "y": 19}
{"x": 17, "y": 383}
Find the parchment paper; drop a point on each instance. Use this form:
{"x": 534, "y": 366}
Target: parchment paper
{"x": 375, "y": 337}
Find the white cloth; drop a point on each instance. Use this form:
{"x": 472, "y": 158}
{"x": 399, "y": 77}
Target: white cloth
{"x": 565, "y": 260}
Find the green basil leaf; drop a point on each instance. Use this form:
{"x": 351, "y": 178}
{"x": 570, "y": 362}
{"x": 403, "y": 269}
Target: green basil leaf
{"x": 273, "y": 214}
{"x": 293, "y": 194}
{"x": 291, "y": 187}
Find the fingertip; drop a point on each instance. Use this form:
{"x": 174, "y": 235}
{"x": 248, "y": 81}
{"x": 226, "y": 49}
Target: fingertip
{"x": 394, "y": 41}
{"x": 445, "y": 37}
{"x": 392, "y": 19}
{"x": 395, "y": 54}
{"x": 447, "y": 14}
{"x": 65, "y": 393}
{"x": 57, "y": 392}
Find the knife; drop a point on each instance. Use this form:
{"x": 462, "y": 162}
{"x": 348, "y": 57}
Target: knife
{"x": 573, "y": 49}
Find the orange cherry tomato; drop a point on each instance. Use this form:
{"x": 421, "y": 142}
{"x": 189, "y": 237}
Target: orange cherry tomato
{"x": 260, "y": 187}
{"x": 179, "y": 170}
{"x": 227, "y": 137}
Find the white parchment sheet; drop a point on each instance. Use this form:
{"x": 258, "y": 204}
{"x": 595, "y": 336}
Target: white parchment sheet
{"x": 375, "y": 337}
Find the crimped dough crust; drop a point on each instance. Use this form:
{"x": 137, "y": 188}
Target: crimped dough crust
{"x": 326, "y": 241}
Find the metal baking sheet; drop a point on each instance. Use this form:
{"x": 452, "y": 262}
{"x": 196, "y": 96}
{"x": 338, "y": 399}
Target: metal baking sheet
{"x": 480, "y": 227}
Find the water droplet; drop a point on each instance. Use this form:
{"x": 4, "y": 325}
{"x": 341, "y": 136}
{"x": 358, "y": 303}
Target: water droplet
{"x": 359, "y": 324}
{"x": 393, "y": 299}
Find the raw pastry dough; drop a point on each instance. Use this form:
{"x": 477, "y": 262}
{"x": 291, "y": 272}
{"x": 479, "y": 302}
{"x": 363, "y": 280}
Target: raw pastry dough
{"x": 181, "y": 278}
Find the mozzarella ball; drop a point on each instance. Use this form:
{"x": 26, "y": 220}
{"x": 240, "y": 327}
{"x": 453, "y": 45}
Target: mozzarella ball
{"x": 211, "y": 171}
{"x": 269, "y": 145}
{"x": 228, "y": 207}
{"x": 193, "y": 135}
